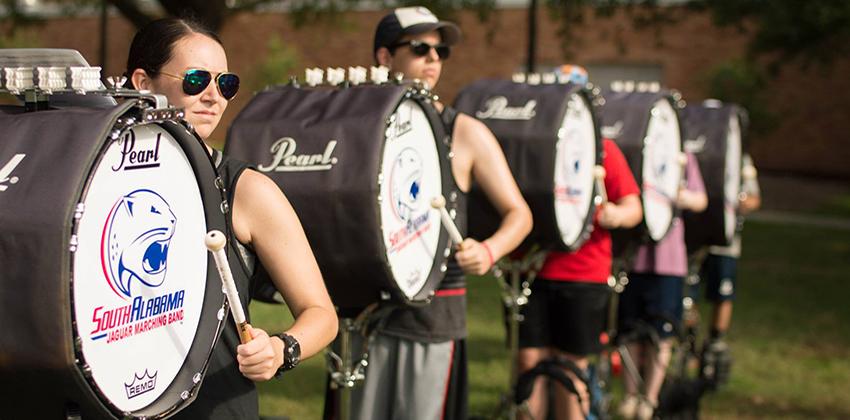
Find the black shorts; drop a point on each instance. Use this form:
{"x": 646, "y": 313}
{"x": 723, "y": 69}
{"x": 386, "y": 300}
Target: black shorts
{"x": 654, "y": 299}
{"x": 566, "y": 315}
{"x": 718, "y": 273}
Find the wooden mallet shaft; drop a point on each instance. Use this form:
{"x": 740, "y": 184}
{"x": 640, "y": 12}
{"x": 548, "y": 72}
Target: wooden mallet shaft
{"x": 599, "y": 178}
{"x": 439, "y": 203}
{"x": 215, "y": 242}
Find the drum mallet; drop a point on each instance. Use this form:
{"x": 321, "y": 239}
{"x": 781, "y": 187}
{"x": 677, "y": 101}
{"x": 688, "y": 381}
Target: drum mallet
{"x": 439, "y": 203}
{"x": 749, "y": 172}
{"x": 599, "y": 178}
{"x": 215, "y": 242}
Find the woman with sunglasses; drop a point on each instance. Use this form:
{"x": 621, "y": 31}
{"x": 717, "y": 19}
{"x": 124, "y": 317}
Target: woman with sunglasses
{"x": 187, "y": 63}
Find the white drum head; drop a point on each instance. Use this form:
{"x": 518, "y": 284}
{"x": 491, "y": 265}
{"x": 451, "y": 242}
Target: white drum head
{"x": 140, "y": 268}
{"x": 575, "y": 157}
{"x": 732, "y": 179}
{"x": 411, "y": 177}
{"x": 662, "y": 171}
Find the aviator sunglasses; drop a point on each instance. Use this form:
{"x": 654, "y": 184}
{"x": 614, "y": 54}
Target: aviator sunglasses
{"x": 421, "y": 49}
{"x": 196, "y": 80}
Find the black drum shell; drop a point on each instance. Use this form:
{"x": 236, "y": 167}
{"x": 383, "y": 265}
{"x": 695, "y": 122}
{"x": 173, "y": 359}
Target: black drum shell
{"x": 630, "y": 113}
{"x": 712, "y": 123}
{"x": 338, "y": 208}
{"x": 529, "y": 147}
{"x": 40, "y": 375}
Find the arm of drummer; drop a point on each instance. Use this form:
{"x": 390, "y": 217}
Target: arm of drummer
{"x": 692, "y": 197}
{"x": 750, "y": 197}
{"x": 626, "y": 210}
{"x": 264, "y": 218}
{"x": 475, "y": 144}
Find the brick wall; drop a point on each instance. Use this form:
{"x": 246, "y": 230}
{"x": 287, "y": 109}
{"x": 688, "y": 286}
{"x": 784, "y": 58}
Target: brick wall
{"x": 811, "y": 104}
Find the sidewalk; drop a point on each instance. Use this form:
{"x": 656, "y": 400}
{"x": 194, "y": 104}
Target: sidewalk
{"x": 798, "y": 200}
{"x": 803, "y": 219}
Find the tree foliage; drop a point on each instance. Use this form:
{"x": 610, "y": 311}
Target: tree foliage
{"x": 810, "y": 30}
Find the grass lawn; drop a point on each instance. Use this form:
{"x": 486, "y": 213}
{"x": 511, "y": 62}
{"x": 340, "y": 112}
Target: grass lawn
{"x": 790, "y": 337}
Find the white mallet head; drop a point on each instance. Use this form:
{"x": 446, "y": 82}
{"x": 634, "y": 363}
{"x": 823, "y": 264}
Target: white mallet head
{"x": 438, "y": 202}
{"x": 749, "y": 172}
{"x": 215, "y": 240}
{"x": 599, "y": 172}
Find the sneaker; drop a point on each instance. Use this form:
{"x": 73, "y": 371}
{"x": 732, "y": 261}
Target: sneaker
{"x": 716, "y": 363}
{"x": 645, "y": 410}
{"x": 628, "y": 408}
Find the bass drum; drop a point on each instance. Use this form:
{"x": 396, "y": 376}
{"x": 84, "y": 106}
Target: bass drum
{"x": 713, "y": 133}
{"x": 109, "y": 296}
{"x": 647, "y": 128}
{"x": 360, "y": 166}
{"x": 549, "y": 136}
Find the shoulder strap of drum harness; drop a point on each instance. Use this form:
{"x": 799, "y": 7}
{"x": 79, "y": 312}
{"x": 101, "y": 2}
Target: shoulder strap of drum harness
{"x": 230, "y": 170}
{"x": 448, "y": 116}
{"x": 262, "y": 287}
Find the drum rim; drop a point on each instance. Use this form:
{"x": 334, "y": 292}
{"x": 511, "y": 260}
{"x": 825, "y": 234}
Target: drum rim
{"x": 587, "y": 225}
{"x": 676, "y": 212}
{"x": 438, "y": 268}
{"x": 192, "y": 146}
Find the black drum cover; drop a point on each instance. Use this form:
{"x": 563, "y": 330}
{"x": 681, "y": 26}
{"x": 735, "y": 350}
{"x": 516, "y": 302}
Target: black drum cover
{"x": 109, "y": 302}
{"x": 646, "y": 127}
{"x": 549, "y": 136}
{"x": 360, "y": 166}
{"x": 714, "y": 133}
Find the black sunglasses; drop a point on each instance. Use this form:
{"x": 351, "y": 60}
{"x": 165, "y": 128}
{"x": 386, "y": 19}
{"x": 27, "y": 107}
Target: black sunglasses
{"x": 196, "y": 80}
{"x": 421, "y": 49}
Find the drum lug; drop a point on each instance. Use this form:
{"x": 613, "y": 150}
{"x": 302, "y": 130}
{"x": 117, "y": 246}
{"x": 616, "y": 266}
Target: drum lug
{"x": 86, "y": 370}
{"x": 219, "y": 183}
{"x": 385, "y": 295}
{"x": 78, "y": 212}
{"x": 184, "y": 395}
{"x": 443, "y": 268}
{"x": 224, "y": 207}
{"x": 196, "y": 378}
{"x": 73, "y": 243}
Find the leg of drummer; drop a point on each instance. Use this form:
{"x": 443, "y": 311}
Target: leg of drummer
{"x": 538, "y": 401}
{"x": 374, "y": 398}
{"x": 566, "y": 404}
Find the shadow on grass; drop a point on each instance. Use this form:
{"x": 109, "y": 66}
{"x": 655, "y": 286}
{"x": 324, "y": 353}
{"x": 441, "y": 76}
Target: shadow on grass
{"x": 726, "y": 405}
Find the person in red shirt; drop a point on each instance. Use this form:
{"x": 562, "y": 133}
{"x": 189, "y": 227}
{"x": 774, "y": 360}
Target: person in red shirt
{"x": 566, "y": 311}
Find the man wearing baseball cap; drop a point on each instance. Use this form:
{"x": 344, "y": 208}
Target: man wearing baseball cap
{"x": 417, "y": 360}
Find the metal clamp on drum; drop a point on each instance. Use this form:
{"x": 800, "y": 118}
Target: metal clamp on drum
{"x": 713, "y": 133}
{"x": 360, "y": 165}
{"x": 113, "y": 297}
{"x": 549, "y": 137}
{"x": 646, "y": 127}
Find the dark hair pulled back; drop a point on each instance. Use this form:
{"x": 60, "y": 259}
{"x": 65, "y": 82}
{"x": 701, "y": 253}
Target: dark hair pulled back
{"x": 153, "y": 45}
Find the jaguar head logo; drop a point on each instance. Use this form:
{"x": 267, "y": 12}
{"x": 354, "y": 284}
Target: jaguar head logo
{"x": 406, "y": 183}
{"x": 135, "y": 241}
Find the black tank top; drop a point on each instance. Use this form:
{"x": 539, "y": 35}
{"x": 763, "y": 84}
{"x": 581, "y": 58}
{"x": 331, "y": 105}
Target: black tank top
{"x": 443, "y": 319}
{"x": 225, "y": 393}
